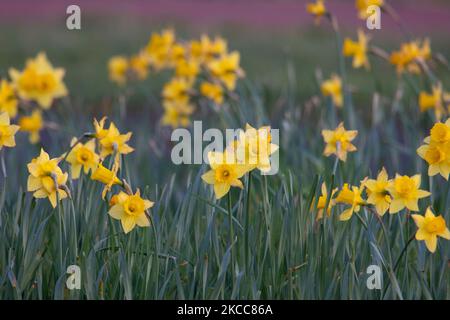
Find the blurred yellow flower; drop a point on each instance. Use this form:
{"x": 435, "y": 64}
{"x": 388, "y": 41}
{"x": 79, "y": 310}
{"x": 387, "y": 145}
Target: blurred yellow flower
{"x": 405, "y": 192}
{"x": 188, "y": 69}
{"x": 434, "y": 101}
{"x": 32, "y": 124}
{"x": 333, "y": 88}
{"x": 7, "y": 131}
{"x": 322, "y": 202}
{"x": 436, "y": 150}
{"x": 377, "y": 192}
{"x": 130, "y": 210}
{"x": 317, "y": 9}
{"x": 338, "y": 142}
{"x": 82, "y": 156}
{"x": 39, "y": 81}
{"x": 212, "y": 91}
{"x": 177, "y": 114}
{"x": 118, "y": 69}
{"x": 227, "y": 69}
{"x": 351, "y": 197}
{"x": 357, "y": 50}
{"x": 8, "y": 99}
{"x": 205, "y": 50}
{"x": 158, "y": 48}
{"x": 363, "y": 5}
{"x": 429, "y": 228}
{"x": 46, "y": 178}
{"x": 139, "y": 65}
{"x": 177, "y": 90}
{"x": 409, "y": 54}
{"x": 224, "y": 174}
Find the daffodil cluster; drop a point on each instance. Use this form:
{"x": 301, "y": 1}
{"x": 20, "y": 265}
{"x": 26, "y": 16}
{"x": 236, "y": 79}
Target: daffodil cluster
{"x": 200, "y": 68}
{"x": 34, "y": 88}
{"x": 251, "y": 151}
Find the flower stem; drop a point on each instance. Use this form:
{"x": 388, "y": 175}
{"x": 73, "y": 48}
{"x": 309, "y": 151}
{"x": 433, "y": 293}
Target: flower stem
{"x": 230, "y": 222}
{"x": 247, "y": 220}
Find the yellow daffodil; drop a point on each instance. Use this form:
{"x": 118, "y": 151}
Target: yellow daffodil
{"x": 357, "y": 50}
{"x": 114, "y": 142}
{"x": 205, "y": 50}
{"x": 436, "y": 150}
{"x": 317, "y": 9}
{"x": 139, "y": 66}
{"x": 7, "y": 131}
{"x": 226, "y": 69}
{"x": 377, "y": 192}
{"x": 353, "y": 198}
{"x": 177, "y": 54}
{"x": 224, "y": 174}
{"x": 254, "y": 147}
{"x": 105, "y": 176}
{"x": 8, "y": 99}
{"x": 188, "y": 69}
{"x": 212, "y": 91}
{"x": 363, "y": 5}
{"x": 322, "y": 202}
{"x": 99, "y": 127}
{"x": 46, "y": 178}
{"x": 158, "y": 48}
{"x": 39, "y": 81}
{"x": 131, "y": 210}
{"x": 177, "y": 90}
{"x": 177, "y": 114}
{"x": 338, "y": 142}
{"x": 118, "y": 69}
{"x": 433, "y": 101}
{"x": 333, "y": 88}
{"x": 405, "y": 192}
{"x": 430, "y": 227}
{"x": 32, "y": 124}
{"x": 409, "y": 54}
{"x": 82, "y": 156}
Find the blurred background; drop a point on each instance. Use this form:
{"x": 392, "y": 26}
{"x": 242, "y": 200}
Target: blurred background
{"x": 272, "y": 36}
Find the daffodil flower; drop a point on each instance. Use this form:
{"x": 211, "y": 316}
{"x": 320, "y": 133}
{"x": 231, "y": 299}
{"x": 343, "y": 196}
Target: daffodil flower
{"x": 430, "y": 228}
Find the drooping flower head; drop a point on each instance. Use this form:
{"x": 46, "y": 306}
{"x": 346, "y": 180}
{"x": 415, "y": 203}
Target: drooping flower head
{"x": 338, "y": 142}
{"x": 429, "y": 228}
{"x": 39, "y": 81}
{"x": 105, "y": 176}
{"x": 130, "y": 210}
{"x": 322, "y": 201}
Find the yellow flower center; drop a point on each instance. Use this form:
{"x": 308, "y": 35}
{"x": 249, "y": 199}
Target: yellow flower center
{"x": 224, "y": 173}
{"x": 440, "y": 132}
{"x": 134, "y": 206}
{"x": 404, "y": 186}
{"x": 436, "y": 225}
{"x": 84, "y": 155}
{"x": 434, "y": 155}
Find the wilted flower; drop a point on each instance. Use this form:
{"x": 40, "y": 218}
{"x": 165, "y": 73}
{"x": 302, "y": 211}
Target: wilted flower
{"x": 39, "y": 81}
{"x": 338, "y": 142}
{"x": 429, "y": 228}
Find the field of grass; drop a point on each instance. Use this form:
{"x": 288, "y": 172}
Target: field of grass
{"x": 278, "y": 249}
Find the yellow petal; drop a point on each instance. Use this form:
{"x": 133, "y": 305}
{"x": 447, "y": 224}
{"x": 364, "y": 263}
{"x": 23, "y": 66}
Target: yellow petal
{"x": 431, "y": 243}
{"x": 128, "y": 223}
{"x": 142, "y": 221}
{"x": 221, "y": 189}
{"x": 116, "y": 211}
